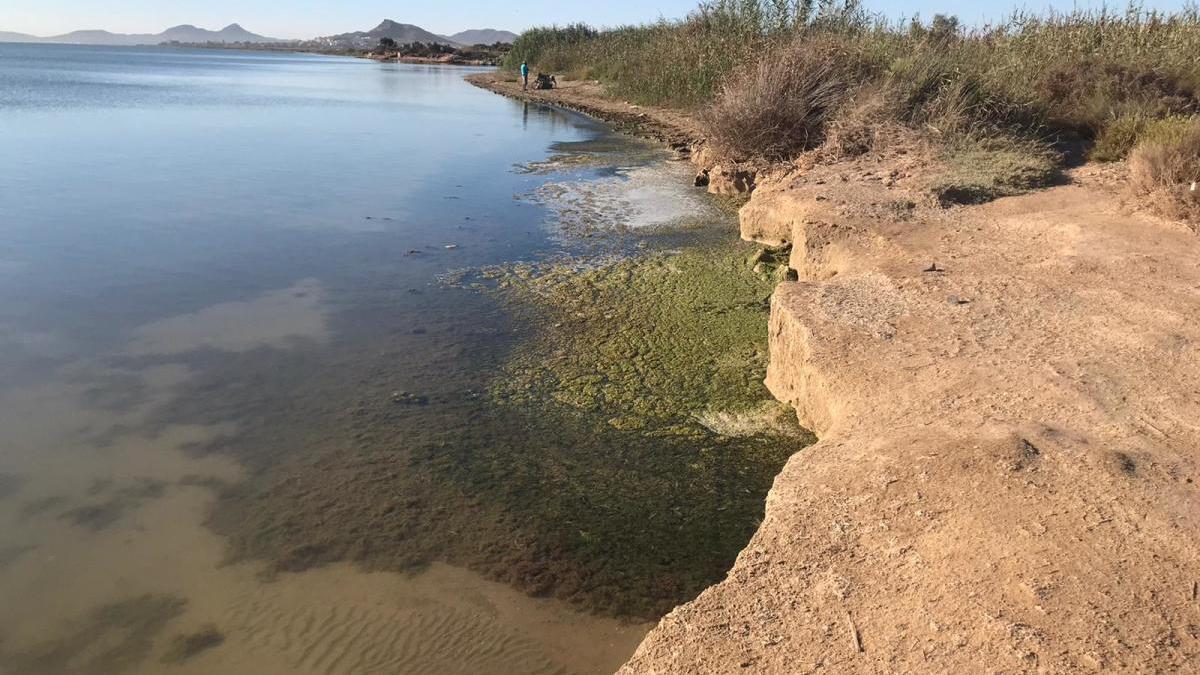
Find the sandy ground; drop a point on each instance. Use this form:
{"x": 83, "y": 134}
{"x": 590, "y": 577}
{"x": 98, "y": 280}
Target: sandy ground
{"x": 1008, "y": 405}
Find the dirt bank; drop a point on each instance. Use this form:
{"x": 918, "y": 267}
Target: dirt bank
{"x": 1007, "y": 404}
{"x": 678, "y": 130}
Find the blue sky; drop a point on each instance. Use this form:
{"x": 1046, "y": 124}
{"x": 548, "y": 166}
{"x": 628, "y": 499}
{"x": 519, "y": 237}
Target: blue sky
{"x": 308, "y": 18}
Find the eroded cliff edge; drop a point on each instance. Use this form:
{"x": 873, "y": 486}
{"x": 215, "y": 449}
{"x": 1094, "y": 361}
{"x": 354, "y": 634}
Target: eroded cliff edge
{"x": 1008, "y": 402}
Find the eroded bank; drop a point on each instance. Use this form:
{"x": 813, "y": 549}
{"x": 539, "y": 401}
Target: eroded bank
{"x": 1006, "y": 472}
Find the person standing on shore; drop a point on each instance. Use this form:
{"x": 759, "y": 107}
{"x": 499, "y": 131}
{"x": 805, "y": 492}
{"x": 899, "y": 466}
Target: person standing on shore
{"x": 524, "y": 75}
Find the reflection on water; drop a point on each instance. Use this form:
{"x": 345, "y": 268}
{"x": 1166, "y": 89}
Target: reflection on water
{"x": 242, "y": 420}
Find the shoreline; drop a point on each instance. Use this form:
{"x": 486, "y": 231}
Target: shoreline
{"x": 446, "y": 60}
{"x": 984, "y": 493}
{"x": 676, "y": 130}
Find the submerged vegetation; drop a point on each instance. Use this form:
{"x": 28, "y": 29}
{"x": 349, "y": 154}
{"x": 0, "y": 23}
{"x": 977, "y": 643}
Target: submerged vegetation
{"x": 657, "y": 339}
{"x": 615, "y": 453}
{"x": 645, "y": 438}
{"x": 774, "y": 78}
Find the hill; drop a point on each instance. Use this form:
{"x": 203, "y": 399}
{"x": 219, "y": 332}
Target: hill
{"x": 6, "y": 36}
{"x": 184, "y": 33}
{"x": 402, "y": 33}
{"x": 231, "y": 33}
{"x": 482, "y": 36}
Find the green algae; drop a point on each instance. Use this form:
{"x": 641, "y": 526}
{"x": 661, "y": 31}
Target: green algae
{"x": 593, "y": 429}
{"x": 659, "y": 338}
{"x": 631, "y": 432}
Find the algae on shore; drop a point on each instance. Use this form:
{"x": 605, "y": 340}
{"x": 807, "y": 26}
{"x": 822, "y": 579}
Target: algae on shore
{"x": 654, "y": 440}
{"x": 594, "y": 429}
{"x": 660, "y": 337}
{"x": 592, "y": 426}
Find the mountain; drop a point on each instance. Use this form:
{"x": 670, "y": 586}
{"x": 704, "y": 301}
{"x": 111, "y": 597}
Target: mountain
{"x": 402, "y": 33}
{"x": 482, "y": 36}
{"x": 231, "y": 33}
{"x": 184, "y": 33}
{"x": 6, "y": 36}
{"x": 96, "y": 37}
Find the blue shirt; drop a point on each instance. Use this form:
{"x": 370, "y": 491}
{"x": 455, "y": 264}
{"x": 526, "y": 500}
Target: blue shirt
{"x": 524, "y": 70}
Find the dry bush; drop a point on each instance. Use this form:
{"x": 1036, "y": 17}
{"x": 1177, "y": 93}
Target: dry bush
{"x": 863, "y": 124}
{"x": 1165, "y": 166}
{"x": 1086, "y": 95}
{"x": 778, "y": 107}
{"x": 1118, "y": 137}
{"x": 1113, "y": 103}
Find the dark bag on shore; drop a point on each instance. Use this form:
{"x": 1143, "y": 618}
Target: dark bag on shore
{"x": 544, "y": 81}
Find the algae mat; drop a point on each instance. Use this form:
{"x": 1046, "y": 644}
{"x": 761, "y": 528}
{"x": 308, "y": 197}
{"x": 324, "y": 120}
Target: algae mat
{"x": 615, "y": 451}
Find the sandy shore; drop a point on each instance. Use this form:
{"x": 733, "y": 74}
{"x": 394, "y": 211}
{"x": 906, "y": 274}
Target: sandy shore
{"x": 678, "y": 130}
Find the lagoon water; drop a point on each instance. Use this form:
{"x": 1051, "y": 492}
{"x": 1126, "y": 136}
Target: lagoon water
{"x": 224, "y": 309}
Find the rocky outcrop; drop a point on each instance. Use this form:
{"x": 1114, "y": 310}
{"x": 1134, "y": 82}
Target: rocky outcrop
{"x": 1009, "y": 422}
{"x": 729, "y": 179}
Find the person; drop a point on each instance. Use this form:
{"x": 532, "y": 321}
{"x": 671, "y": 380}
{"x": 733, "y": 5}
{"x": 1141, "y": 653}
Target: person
{"x": 524, "y": 75}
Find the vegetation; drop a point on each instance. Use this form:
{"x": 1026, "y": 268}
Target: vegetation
{"x": 773, "y": 78}
{"x": 644, "y": 380}
{"x": 1165, "y": 166}
{"x": 388, "y": 48}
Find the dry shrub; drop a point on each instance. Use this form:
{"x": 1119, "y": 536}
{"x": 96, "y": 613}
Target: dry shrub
{"x": 863, "y": 124}
{"x": 778, "y": 108}
{"x": 1085, "y": 96}
{"x": 1165, "y": 166}
{"x": 946, "y": 92}
{"x": 1118, "y": 137}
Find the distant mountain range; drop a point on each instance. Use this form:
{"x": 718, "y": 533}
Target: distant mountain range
{"x": 402, "y": 33}
{"x": 483, "y": 36}
{"x": 406, "y": 33}
{"x": 6, "y": 36}
{"x": 184, "y": 33}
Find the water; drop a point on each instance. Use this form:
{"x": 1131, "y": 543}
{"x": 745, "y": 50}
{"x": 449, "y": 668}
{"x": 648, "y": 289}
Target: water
{"x": 241, "y": 408}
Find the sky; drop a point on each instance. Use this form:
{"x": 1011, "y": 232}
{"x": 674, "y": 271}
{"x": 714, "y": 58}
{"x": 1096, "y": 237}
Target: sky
{"x": 310, "y": 18}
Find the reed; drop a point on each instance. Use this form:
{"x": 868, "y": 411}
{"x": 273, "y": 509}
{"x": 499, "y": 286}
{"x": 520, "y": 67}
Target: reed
{"x": 1097, "y": 76}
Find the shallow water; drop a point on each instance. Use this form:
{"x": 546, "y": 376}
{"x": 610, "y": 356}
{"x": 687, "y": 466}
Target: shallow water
{"x": 239, "y": 399}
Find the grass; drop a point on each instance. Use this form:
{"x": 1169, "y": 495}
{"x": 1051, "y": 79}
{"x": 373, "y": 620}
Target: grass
{"x": 977, "y": 174}
{"x": 773, "y": 78}
{"x": 1164, "y": 167}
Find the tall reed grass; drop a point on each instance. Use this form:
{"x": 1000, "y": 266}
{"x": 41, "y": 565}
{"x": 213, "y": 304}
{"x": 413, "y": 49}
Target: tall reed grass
{"x": 1097, "y": 76}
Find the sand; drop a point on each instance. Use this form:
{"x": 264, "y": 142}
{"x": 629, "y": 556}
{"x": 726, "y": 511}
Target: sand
{"x": 1008, "y": 414}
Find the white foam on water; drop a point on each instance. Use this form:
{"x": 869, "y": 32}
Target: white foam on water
{"x": 657, "y": 195}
